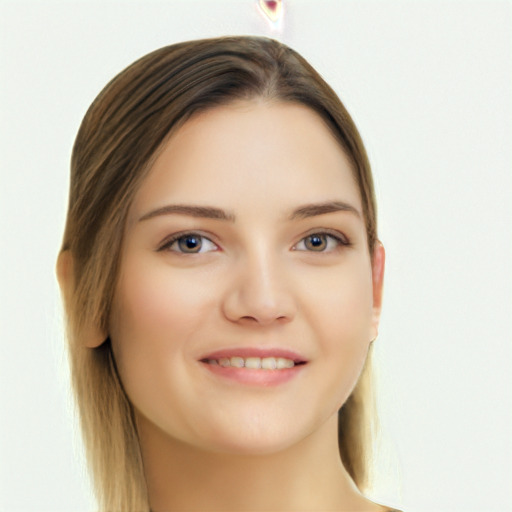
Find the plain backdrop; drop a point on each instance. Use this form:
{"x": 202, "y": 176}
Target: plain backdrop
{"x": 429, "y": 86}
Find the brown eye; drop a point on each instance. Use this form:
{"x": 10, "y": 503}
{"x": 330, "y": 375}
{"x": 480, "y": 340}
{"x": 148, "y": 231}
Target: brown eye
{"x": 190, "y": 243}
{"x": 316, "y": 242}
{"x": 322, "y": 242}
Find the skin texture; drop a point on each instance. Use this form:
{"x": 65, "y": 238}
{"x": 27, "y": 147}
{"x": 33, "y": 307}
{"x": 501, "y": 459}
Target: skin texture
{"x": 211, "y": 443}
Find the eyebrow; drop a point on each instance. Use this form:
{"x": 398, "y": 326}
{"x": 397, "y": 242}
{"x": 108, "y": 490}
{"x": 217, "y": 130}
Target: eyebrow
{"x": 211, "y": 212}
{"x": 208, "y": 212}
{"x": 314, "y": 209}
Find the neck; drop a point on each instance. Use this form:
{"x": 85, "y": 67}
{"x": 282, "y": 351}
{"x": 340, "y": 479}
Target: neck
{"x": 307, "y": 476}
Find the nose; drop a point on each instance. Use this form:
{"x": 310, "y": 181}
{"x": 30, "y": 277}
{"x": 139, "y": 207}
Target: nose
{"x": 259, "y": 293}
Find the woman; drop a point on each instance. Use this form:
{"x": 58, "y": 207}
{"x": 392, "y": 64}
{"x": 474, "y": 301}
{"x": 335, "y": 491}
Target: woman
{"x": 222, "y": 279}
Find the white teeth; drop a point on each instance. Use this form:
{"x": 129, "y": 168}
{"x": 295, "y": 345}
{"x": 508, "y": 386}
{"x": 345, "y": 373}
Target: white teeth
{"x": 237, "y": 362}
{"x": 269, "y": 363}
{"x": 284, "y": 363}
{"x": 254, "y": 363}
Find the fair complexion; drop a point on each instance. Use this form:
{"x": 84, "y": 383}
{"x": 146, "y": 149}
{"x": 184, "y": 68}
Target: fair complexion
{"x": 247, "y": 237}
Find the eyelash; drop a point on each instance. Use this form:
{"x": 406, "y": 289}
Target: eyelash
{"x": 178, "y": 236}
{"x": 340, "y": 240}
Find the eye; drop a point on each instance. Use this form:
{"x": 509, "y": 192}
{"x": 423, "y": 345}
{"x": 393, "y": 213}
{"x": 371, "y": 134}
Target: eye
{"x": 189, "y": 243}
{"x": 320, "y": 242}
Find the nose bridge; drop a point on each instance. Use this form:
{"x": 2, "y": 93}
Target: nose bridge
{"x": 259, "y": 290}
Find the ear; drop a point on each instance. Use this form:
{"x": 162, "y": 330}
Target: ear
{"x": 378, "y": 262}
{"x": 94, "y": 335}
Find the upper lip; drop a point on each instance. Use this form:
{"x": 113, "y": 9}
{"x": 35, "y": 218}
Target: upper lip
{"x": 260, "y": 352}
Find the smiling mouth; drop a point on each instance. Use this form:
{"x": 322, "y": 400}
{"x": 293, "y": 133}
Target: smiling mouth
{"x": 256, "y": 367}
{"x": 254, "y": 363}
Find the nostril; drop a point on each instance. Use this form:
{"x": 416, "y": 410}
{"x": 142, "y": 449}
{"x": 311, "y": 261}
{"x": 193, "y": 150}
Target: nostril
{"x": 253, "y": 302}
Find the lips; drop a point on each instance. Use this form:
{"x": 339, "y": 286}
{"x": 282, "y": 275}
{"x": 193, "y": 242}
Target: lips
{"x": 260, "y": 367}
{"x": 253, "y": 363}
{"x": 258, "y": 352}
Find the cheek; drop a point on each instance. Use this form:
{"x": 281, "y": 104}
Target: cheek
{"x": 155, "y": 315}
{"x": 341, "y": 305}
{"x": 341, "y": 316}
{"x": 157, "y": 304}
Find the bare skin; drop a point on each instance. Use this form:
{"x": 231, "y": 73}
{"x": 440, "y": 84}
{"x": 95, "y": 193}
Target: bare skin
{"x": 195, "y": 480}
{"x": 247, "y": 264}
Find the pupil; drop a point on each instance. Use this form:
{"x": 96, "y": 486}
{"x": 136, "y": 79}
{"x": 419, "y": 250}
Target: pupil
{"x": 190, "y": 243}
{"x": 317, "y": 241}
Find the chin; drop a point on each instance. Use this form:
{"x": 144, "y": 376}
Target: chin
{"x": 259, "y": 438}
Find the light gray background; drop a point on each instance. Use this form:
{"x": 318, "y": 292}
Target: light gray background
{"x": 429, "y": 85}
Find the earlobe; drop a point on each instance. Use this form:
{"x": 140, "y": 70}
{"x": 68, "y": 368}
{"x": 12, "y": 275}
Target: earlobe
{"x": 93, "y": 335}
{"x": 378, "y": 264}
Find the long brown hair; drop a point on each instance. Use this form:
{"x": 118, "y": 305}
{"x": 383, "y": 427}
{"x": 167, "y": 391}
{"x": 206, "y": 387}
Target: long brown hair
{"x": 117, "y": 142}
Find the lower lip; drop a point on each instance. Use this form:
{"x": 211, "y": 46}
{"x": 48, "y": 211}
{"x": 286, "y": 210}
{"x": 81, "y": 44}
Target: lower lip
{"x": 253, "y": 377}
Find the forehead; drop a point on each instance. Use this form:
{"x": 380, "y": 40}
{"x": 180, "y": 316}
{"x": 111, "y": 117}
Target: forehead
{"x": 250, "y": 152}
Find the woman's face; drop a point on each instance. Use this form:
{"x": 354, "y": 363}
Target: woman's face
{"x": 245, "y": 245}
